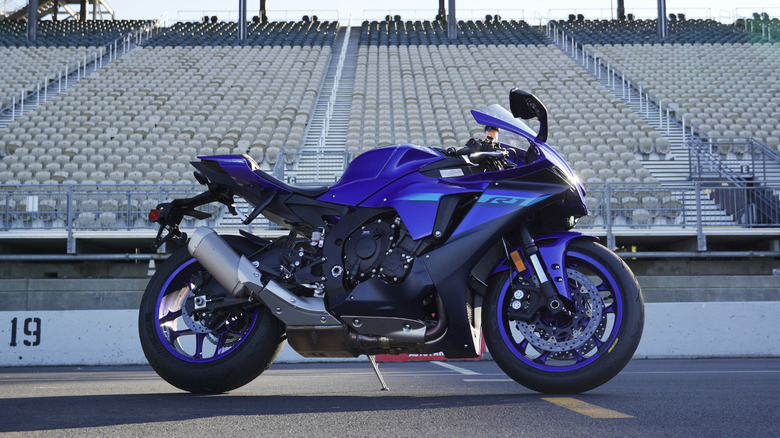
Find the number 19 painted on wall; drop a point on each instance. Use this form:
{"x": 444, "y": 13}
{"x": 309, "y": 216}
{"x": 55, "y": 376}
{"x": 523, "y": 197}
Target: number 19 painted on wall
{"x": 32, "y": 329}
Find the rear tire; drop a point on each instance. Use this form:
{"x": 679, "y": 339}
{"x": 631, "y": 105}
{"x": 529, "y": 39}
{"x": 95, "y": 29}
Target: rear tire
{"x": 569, "y": 355}
{"x": 199, "y": 360}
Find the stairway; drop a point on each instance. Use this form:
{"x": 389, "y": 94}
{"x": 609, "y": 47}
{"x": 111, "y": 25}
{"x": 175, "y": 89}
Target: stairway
{"x": 672, "y": 169}
{"x": 323, "y": 154}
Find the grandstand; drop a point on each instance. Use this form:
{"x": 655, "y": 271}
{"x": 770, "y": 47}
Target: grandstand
{"x": 13, "y": 33}
{"x": 87, "y": 164}
{"x": 638, "y": 32}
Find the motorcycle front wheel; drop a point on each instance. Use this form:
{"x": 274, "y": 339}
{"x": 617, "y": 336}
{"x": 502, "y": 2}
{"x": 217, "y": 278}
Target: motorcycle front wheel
{"x": 187, "y": 354}
{"x": 576, "y": 350}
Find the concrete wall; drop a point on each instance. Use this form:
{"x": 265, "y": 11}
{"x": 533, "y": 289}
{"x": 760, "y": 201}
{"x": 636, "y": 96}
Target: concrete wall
{"x": 110, "y": 337}
{"x": 94, "y": 321}
{"x": 71, "y": 294}
{"x": 709, "y": 288}
{"x": 125, "y": 293}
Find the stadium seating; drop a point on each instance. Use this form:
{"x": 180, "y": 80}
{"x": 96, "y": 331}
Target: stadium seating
{"x": 160, "y": 106}
{"x": 645, "y": 32}
{"x": 434, "y": 88}
{"x": 273, "y": 33}
{"x": 22, "y": 66}
{"x": 397, "y": 32}
{"x": 66, "y": 33}
{"x": 194, "y": 89}
{"x": 423, "y": 93}
{"x": 727, "y": 90}
{"x": 761, "y": 25}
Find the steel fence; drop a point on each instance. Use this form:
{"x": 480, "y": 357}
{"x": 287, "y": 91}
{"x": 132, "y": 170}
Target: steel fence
{"x": 89, "y": 207}
{"x": 737, "y": 159}
{"x": 611, "y": 206}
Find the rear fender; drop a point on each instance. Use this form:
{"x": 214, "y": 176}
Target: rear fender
{"x": 552, "y": 250}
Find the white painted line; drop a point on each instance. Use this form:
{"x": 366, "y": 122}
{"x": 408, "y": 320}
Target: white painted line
{"x": 704, "y": 372}
{"x": 457, "y": 369}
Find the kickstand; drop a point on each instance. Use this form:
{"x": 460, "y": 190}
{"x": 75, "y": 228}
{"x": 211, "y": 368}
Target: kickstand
{"x": 372, "y": 359}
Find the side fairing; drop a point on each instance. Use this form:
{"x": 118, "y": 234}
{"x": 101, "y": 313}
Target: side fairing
{"x": 416, "y": 199}
{"x": 498, "y": 202}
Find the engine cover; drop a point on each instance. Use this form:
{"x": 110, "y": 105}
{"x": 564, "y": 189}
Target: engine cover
{"x": 365, "y": 249}
{"x": 368, "y": 244}
{"x": 372, "y": 252}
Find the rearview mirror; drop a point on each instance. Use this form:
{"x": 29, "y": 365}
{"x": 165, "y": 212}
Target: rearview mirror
{"x": 526, "y": 106}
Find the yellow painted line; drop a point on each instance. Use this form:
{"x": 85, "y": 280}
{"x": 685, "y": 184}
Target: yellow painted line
{"x": 583, "y": 408}
{"x": 488, "y": 380}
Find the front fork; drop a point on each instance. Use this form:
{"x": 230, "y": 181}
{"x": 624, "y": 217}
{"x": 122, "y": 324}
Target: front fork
{"x": 547, "y": 262}
{"x": 548, "y": 290}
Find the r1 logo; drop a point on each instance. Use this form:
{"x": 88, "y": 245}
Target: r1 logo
{"x": 31, "y": 328}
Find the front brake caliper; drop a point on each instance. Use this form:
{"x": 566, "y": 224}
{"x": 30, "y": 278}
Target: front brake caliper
{"x": 527, "y": 300}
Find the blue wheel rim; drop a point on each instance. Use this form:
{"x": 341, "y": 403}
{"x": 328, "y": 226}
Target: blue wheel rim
{"x": 184, "y": 343}
{"x": 602, "y": 342}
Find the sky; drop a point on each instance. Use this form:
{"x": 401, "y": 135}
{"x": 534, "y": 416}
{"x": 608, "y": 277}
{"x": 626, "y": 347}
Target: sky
{"x": 532, "y": 12}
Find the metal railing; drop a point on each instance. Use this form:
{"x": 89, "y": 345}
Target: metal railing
{"x": 342, "y": 55}
{"x": 731, "y": 158}
{"x": 702, "y": 203}
{"x": 613, "y": 207}
{"x": 87, "y": 207}
{"x": 272, "y": 15}
{"x": 616, "y": 78}
{"x": 430, "y": 14}
{"x": 17, "y": 103}
{"x": 738, "y": 159}
{"x": 595, "y": 63}
{"x": 609, "y": 13}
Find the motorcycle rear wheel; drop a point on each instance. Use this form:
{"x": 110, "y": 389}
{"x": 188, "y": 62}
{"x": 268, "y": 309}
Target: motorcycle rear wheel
{"x": 578, "y": 350}
{"x": 188, "y": 355}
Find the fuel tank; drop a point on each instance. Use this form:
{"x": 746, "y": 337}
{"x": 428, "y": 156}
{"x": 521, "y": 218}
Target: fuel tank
{"x": 374, "y": 169}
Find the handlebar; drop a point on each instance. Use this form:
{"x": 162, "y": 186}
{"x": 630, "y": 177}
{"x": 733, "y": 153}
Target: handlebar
{"x": 476, "y": 156}
{"x": 479, "y": 150}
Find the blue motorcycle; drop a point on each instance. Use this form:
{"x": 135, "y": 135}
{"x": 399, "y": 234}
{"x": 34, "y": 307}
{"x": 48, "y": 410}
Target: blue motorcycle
{"x": 414, "y": 250}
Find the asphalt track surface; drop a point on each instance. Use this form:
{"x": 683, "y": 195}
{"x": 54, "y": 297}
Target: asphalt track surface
{"x": 654, "y": 398}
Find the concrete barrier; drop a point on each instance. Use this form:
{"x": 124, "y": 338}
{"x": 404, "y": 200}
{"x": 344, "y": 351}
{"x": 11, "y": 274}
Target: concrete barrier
{"x": 110, "y": 337}
{"x": 711, "y": 329}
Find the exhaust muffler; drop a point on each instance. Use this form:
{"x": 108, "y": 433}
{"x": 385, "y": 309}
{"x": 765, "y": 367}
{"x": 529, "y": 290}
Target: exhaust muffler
{"x": 221, "y": 261}
{"x": 239, "y": 276}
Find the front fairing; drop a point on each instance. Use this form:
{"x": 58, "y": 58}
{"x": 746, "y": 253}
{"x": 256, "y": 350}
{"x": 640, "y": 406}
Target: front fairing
{"x": 416, "y": 197}
{"x": 517, "y": 135}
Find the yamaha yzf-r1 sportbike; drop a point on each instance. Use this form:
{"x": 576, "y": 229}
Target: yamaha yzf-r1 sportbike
{"x": 414, "y": 250}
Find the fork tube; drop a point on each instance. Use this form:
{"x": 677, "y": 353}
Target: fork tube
{"x": 548, "y": 289}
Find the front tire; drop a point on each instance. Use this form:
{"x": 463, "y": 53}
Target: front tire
{"x": 191, "y": 357}
{"x": 579, "y": 350}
